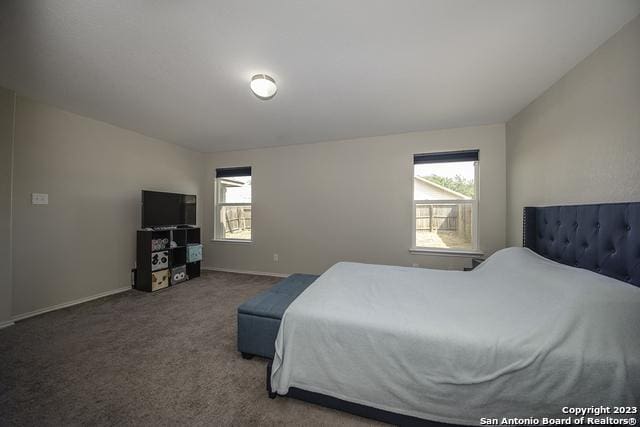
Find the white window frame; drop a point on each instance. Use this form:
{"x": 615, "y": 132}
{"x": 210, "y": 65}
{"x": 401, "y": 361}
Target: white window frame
{"x": 474, "y": 251}
{"x": 216, "y": 209}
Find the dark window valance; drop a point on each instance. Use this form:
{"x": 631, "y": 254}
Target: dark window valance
{"x": 230, "y": 172}
{"x": 448, "y": 156}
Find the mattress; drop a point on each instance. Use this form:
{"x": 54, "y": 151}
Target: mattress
{"x": 519, "y": 336}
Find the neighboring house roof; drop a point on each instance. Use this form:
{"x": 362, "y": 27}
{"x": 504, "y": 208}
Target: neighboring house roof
{"x": 232, "y": 182}
{"x": 431, "y": 187}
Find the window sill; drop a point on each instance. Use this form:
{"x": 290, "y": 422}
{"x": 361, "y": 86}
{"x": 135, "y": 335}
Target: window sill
{"x": 446, "y": 252}
{"x": 242, "y": 242}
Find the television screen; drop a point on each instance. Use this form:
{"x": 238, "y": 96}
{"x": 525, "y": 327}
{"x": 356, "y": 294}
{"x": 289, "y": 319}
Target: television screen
{"x": 165, "y": 209}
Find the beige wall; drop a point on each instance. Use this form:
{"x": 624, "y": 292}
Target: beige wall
{"x": 6, "y": 155}
{"x": 317, "y": 204}
{"x": 580, "y": 141}
{"x": 314, "y": 204}
{"x": 83, "y": 242}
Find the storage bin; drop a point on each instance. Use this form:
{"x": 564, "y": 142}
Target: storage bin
{"x": 159, "y": 279}
{"x": 194, "y": 253}
{"x": 178, "y": 274}
{"x": 159, "y": 260}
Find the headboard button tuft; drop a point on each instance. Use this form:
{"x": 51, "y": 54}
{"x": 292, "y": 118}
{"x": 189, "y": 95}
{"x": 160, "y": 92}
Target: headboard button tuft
{"x": 603, "y": 238}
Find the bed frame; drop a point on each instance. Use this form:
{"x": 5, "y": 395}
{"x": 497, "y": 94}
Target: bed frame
{"x": 604, "y": 238}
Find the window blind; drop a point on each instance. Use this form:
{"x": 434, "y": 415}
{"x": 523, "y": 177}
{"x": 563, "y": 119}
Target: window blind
{"x": 448, "y": 156}
{"x": 231, "y": 172}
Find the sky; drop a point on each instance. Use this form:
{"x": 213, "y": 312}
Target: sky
{"x": 450, "y": 169}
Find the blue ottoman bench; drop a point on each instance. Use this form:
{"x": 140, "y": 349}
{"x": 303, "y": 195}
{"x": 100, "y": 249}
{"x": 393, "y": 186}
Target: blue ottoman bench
{"x": 259, "y": 318}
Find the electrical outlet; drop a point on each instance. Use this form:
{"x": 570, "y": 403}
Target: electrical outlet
{"x": 275, "y": 258}
{"x": 415, "y": 265}
{"x": 39, "y": 199}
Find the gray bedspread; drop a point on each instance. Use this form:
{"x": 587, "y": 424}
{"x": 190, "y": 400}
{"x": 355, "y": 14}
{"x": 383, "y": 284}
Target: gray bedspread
{"x": 519, "y": 336}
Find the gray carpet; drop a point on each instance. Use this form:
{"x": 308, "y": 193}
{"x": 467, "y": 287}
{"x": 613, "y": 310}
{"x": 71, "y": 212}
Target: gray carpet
{"x": 167, "y": 358}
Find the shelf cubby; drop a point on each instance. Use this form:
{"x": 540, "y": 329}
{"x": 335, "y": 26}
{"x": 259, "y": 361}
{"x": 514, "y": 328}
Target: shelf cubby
{"x": 179, "y": 237}
{"x": 193, "y": 269}
{"x": 177, "y": 254}
{"x": 177, "y": 257}
{"x": 193, "y": 236}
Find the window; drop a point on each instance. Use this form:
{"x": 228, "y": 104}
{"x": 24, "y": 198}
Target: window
{"x": 232, "y": 208}
{"x": 445, "y": 201}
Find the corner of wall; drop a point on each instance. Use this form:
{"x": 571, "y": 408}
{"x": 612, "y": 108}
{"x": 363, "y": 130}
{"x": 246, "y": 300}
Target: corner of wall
{"x": 7, "y": 138}
{"x": 578, "y": 141}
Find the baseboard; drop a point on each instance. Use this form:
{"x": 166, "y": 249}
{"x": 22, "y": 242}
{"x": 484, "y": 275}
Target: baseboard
{"x": 256, "y": 273}
{"x": 6, "y": 324}
{"x": 69, "y": 304}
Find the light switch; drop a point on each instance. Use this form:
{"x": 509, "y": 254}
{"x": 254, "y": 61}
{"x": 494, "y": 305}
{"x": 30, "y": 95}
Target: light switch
{"x": 39, "y": 199}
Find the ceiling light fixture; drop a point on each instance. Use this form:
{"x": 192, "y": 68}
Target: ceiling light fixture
{"x": 263, "y": 86}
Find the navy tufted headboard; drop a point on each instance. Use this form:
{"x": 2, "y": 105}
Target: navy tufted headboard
{"x": 604, "y": 238}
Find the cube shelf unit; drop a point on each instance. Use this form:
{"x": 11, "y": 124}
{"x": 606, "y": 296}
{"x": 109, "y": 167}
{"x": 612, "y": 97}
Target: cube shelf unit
{"x": 186, "y": 239}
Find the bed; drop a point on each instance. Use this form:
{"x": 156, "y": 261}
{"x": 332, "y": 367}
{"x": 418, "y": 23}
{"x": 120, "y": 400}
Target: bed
{"x": 554, "y": 323}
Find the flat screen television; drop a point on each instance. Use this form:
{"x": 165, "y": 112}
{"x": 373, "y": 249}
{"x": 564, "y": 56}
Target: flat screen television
{"x": 167, "y": 209}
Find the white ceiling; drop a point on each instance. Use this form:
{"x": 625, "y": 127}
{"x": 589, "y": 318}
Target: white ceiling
{"x": 180, "y": 70}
